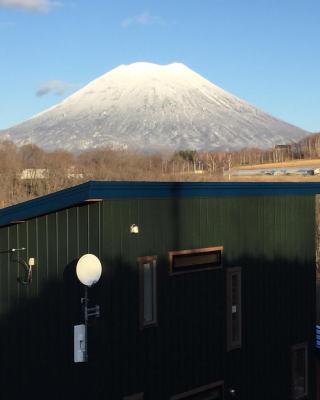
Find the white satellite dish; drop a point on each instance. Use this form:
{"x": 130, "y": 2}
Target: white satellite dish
{"x": 89, "y": 269}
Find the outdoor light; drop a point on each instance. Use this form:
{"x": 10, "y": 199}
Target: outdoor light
{"x": 134, "y": 229}
{"x": 88, "y": 271}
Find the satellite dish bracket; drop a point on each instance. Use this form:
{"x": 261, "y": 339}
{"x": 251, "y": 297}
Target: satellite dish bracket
{"x": 89, "y": 312}
{"x": 88, "y": 271}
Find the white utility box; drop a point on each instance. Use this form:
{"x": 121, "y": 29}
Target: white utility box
{"x": 80, "y": 343}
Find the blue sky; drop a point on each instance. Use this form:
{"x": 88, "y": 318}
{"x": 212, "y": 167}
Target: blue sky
{"x": 264, "y": 51}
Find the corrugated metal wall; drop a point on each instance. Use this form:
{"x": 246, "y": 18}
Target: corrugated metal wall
{"x": 271, "y": 238}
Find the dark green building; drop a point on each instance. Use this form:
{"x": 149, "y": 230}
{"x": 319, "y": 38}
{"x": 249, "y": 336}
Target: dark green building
{"x": 207, "y": 292}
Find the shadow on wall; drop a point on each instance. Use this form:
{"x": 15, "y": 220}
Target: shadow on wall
{"x": 185, "y": 351}
{"x": 36, "y": 340}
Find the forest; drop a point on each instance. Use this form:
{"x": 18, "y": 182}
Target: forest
{"x": 28, "y": 171}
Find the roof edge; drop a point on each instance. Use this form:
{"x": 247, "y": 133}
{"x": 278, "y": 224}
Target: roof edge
{"x": 123, "y": 189}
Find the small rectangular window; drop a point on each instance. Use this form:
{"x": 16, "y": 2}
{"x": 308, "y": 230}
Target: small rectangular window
{"x": 300, "y": 371}
{"x": 213, "y": 391}
{"x": 234, "y": 338}
{"x": 137, "y": 396}
{"x": 184, "y": 261}
{"x": 148, "y": 290}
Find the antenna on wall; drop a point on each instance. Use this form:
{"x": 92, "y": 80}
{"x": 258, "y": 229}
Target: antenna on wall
{"x": 88, "y": 271}
{"x": 27, "y": 265}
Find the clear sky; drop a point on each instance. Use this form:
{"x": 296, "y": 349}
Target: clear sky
{"x": 264, "y": 51}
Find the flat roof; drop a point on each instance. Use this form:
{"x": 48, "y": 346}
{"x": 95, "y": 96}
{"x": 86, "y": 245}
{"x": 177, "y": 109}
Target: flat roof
{"x": 99, "y": 190}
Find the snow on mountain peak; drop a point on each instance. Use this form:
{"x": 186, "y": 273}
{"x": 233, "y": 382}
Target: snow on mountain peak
{"x": 150, "y": 106}
{"x": 143, "y": 65}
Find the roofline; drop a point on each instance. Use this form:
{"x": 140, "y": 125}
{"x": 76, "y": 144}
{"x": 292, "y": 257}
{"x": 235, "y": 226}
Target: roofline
{"x": 96, "y": 190}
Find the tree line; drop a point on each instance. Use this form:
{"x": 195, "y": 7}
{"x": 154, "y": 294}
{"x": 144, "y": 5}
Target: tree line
{"x": 28, "y": 171}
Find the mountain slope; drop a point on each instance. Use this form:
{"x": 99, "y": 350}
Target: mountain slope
{"x": 153, "y": 107}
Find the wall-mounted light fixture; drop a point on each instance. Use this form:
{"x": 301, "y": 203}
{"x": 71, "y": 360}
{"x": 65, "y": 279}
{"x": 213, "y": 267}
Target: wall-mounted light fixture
{"x": 134, "y": 229}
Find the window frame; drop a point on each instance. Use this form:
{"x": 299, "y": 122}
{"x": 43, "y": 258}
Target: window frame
{"x": 299, "y": 346}
{"x": 234, "y": 344}
{"x": 199, "y": 390}
{"x": 141, "y": 262}
{"x": 172, "y": 254}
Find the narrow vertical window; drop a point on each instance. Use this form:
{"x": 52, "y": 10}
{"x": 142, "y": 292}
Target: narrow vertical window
{"x": 148, "y": 290}
{"x": 299, "y": 371}
{"x": 234, "y": 308}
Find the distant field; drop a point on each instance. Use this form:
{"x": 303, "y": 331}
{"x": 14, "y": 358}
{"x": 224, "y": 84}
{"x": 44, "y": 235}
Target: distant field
{"x": 274, "y": 178}
{"x": 293, "y": 163}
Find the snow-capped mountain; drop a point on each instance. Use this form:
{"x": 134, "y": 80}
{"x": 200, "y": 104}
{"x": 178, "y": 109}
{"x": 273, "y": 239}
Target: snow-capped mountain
{"x": 152, "y": 107}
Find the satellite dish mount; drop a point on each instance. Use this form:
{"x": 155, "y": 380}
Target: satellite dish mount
{"x": 88, "y": 272}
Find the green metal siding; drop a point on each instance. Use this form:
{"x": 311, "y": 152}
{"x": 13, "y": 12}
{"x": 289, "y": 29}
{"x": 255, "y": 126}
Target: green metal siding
{"x": 270, "y": 237}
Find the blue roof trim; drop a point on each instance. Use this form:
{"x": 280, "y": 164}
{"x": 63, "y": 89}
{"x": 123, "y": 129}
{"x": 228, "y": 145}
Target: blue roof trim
{"x": 108, "y": 190}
